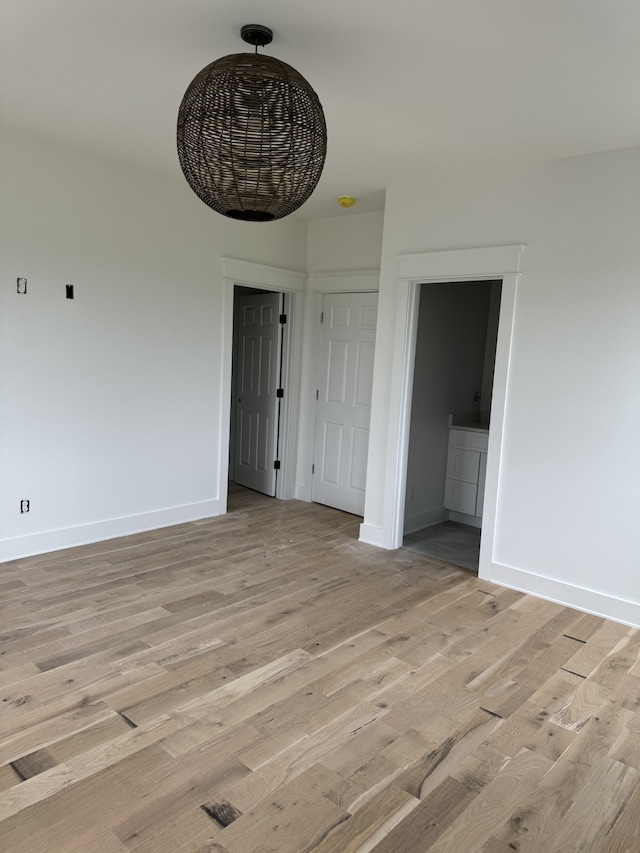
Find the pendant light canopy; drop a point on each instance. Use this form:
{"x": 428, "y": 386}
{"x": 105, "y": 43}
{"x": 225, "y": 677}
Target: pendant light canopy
{"x": 252, "y": 137}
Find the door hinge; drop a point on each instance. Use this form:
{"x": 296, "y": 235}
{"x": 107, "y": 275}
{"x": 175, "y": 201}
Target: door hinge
{"x": 322, "y": 316}
{"x": 313, "y": 469}
{"x": 283, "y": 319}
{"x": 276, "y": 465}
{"x": 280, "y": 393}
{"x": 317, "y": 394}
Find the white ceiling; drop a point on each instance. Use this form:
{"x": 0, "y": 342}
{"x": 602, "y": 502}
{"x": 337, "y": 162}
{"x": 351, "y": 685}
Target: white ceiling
{"x": 408, "y": 86}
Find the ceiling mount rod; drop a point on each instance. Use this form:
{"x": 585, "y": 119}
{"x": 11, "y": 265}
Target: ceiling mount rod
{"x": 256, "y": 35}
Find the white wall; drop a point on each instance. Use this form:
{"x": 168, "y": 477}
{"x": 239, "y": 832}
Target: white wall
{"x": 449, "y": 360}
{"x": 347, "y": 241}
{"x": 110, "y": 403}
{"x": 569, "y": 495}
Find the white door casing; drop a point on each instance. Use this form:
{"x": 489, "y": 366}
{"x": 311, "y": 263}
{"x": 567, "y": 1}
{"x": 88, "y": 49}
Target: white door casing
{"x": 384, "y": 512}
{"x": 240, "y": 273}
{"x": 258, "y": 365}
{"x": 343, "y": 407}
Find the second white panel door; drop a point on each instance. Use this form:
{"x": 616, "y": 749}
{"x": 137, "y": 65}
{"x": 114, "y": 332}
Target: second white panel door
{"x": 256, "y": 386}
{"x": 344, "y": 400}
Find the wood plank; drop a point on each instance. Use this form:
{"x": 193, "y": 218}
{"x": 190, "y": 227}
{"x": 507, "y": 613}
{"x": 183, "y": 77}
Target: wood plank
{"x": 590, "y": 819}
{"x": 591, "y": 654}
{"x": 8, "y": 777}
{"x": 299, "y": 817}
{"x": 425, "y": 824}
{"x": 192, "y": 832}
{"x": 34, "y": 790}
{"x": 364, "y": 828}
{"x": 429, "y": 771}
{"x": 530, "y": 827}
{"x": 624, "y": 836}
{"x": 181, "y": 789}
{"x": 497, "y": 800}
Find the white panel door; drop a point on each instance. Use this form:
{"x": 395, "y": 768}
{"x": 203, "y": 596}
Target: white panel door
{"x": 257, "y": 360}
{"x": 344, "y": 400}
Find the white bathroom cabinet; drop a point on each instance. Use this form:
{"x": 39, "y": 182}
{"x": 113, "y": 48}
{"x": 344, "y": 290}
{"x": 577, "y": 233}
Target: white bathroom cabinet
{"x": 466, "y": 469}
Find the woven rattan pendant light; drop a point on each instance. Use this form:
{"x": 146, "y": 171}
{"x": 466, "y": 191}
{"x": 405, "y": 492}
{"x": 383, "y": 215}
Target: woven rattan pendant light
{"x": 252, "y": 137}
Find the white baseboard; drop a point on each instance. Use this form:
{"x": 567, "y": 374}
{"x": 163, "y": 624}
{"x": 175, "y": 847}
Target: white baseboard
{"x": 374, "y": 535}
{"x": 84, "y": 534}
{"x": 302, "y": 493}
{"x": 587, "y": 600}
{"x": 463, "y": 518}
{"x": 426, "y": 518}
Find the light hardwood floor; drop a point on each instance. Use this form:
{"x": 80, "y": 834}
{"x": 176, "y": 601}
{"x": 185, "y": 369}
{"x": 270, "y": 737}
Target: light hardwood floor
{"x": 263, "y": 683}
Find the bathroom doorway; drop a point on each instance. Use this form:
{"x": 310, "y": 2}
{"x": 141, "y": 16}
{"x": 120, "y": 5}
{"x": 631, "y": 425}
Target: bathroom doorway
{"x": 453, "y": 381}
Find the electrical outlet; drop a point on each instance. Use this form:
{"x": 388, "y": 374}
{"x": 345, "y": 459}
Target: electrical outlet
{"x": 24, "y": 506}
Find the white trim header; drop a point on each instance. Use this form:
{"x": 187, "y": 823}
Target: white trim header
{"x": 261, "y": 275}
{"x": 483, "y": 262}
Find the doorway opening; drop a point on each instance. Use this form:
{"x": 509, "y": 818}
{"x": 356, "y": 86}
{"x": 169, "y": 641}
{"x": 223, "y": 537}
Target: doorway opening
{"x": 456, "y": 340}
{"x": 258, "y": 381}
